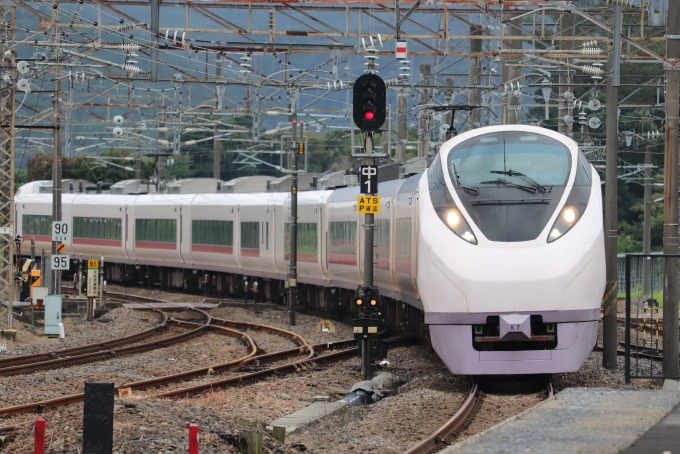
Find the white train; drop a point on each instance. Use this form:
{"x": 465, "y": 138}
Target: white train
{"x": 498, "y": 247}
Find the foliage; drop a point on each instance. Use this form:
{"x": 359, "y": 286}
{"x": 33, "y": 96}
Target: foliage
{"x": 86, "y": 168}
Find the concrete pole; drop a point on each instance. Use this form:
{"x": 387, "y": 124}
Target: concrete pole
{"x": 670, "y": 218}
{"x": 292, "y": 264}
{"x": 609, "y": 334}
{"x": 402, "y": 129}
{"x": 56, "y": 143}
{"x": 566, "y": 29}
{"x": 475, "y": 79}
{"x": 514, "y": 104}
{"x": 448, "y": 98}
{"x": 387, "y": 130}
{"x": 155, "y": 22}
{"x": 138, "y": 161}
{"x": 423, "y": 142}
{"x": 217, "y": 151}
{"x": 647, "y": 229}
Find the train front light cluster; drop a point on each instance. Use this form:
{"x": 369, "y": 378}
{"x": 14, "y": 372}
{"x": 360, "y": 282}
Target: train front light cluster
{"x": 455, "y": 221}
{"x": 567, "y": 218}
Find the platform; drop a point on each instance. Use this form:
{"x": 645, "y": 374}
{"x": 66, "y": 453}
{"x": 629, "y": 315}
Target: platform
{"x": 597, "y": 420}
{"x": 661, "y": 438}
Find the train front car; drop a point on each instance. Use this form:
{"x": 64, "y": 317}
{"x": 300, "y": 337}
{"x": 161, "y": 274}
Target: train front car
{"x": 511, "y": 266}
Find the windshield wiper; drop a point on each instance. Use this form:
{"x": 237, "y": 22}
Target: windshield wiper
{"x": 512, "y": 185}
{"x": 467, "y": 189}
{"x": 514, "y": 173}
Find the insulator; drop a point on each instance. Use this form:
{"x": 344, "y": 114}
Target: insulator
{"x": 592, "y": 70}
{"x": 628, "y": 3}
{"x": 131, "y": 69}
{"x": 129, "y": 47}
{"x": 591, "y": 51}
{"x": 592, "y": 43}
{"x": 272, "y": 19}
{"x": 126, "y": 27}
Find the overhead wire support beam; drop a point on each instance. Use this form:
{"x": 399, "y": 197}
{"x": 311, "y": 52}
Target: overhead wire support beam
{"x": 410, "y": 11}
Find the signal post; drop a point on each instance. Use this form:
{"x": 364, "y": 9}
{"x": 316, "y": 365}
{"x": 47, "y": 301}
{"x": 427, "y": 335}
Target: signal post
{"x": 369, "y": 112}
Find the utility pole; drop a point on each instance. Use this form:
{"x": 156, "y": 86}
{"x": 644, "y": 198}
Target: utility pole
{"x": 475, "y": 78}
{"x": 138, "y": 161}
{"x": 402, "y": 128}
{"x": 216, "y": 154}
{"x": 423, "y": 116}
{"x": 56, "y": 143}
{"x": 566, "y": 29}
{"x": 609, "y": 333}
{"x": 292, "y": 264}
{"x": 670, "y": 214}
{"x": 647, "y": 229}
{"x": 511, "y": 107}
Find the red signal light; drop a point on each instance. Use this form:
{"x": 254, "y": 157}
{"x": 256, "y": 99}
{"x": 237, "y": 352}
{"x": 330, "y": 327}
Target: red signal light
{"x": 369, "y": 115}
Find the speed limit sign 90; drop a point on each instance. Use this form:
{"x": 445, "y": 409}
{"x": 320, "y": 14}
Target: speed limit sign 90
{"x": 60, "y": 262}
{"x": 61, "y": 231}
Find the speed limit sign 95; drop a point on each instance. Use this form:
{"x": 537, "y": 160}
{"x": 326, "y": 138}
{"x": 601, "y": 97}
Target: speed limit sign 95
{"x": 60, "y": 262}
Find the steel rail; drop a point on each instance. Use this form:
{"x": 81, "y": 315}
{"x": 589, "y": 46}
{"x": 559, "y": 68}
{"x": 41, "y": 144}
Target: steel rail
{"x": 433, "y": 442}
{"x": 285, "y": 368}
{"x": 89, "y": 348}
{"x": 110, "y": 353}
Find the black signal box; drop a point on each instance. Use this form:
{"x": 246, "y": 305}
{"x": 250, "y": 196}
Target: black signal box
{"x": 369, "y": 102}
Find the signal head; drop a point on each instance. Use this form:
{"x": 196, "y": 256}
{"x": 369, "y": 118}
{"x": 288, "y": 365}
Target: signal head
{"x": 369, "y": 102}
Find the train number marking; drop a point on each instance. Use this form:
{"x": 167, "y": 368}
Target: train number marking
{"x": 514, "y": 327}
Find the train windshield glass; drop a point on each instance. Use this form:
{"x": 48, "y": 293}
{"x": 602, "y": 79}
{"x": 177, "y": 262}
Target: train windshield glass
{"x": 515, "y": 157}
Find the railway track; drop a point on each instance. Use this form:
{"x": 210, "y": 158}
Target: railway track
{"x": 100, "y": 351}
{"x": 436, "y": 441}
{"x": 440, "y": 438}
{"x": 250, "y": 359}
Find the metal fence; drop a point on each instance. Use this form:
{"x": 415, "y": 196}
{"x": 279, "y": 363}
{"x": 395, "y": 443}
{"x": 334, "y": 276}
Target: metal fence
{"x": 644, "y": 326}
{"x": 655, "y": 273}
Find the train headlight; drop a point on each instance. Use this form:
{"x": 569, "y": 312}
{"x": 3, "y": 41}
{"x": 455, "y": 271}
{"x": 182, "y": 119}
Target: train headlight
{"x": 359, "y": 301}
{"x": 567, "y": 218}
{"x": 374, "y": 302}
{"x": 569, "y": 215}
{"x": 454, "y": 220}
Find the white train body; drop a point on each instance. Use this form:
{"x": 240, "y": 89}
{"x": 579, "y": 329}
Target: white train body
{"x": 501, "y": 304}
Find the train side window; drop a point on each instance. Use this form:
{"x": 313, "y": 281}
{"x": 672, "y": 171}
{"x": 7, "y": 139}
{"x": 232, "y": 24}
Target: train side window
{"x": 250, "y": 231}
{"x": 219, "y": 233}
{"x": 307, "y": 237}
{"x": 37, "y": 224}
{"x": 104, "y": 228}
{"x": 342, "y": 237}
{"x": 157, "y": 230}
{"x": 267, "y": 235}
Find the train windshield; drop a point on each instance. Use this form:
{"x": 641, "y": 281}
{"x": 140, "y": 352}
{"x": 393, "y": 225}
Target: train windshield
{"x": 511, "y": 158}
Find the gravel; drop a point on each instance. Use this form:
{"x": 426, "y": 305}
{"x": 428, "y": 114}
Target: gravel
{"x": 429, "y": 396}
{"x": 119, "y": 322}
